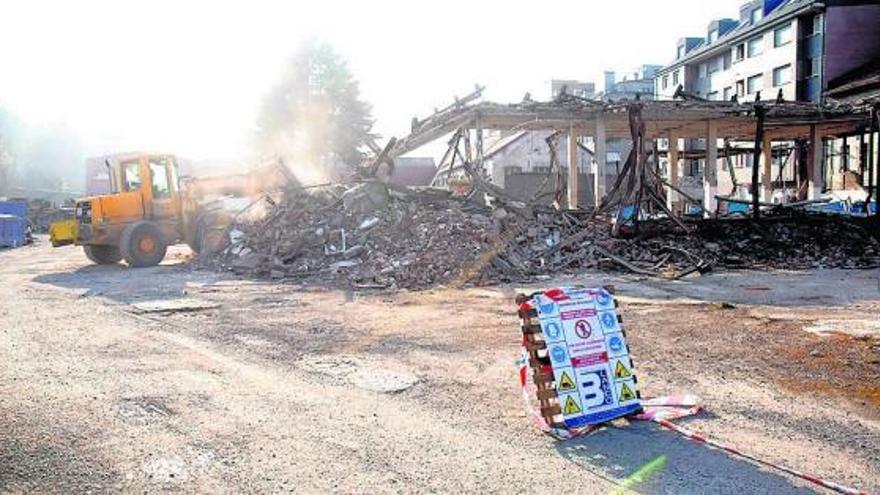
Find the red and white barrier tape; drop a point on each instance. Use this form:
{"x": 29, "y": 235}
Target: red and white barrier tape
{"x": 661, "y": 410}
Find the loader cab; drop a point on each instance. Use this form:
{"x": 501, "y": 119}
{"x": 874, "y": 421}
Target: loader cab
{"x": 152, "y": 179}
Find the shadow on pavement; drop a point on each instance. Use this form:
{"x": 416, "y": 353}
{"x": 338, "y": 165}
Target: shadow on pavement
{"x": 123, "y": 284}
{"x": 680, "y": 466}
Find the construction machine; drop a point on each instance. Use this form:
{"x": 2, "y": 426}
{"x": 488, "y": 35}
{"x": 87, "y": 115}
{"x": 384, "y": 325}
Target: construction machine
{"x": 150, "y": 208}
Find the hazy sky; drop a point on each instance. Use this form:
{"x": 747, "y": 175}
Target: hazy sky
{"x": 187, "y": 76}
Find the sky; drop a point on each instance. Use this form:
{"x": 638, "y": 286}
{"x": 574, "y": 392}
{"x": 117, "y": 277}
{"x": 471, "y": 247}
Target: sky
{"x": 187, "y": 77}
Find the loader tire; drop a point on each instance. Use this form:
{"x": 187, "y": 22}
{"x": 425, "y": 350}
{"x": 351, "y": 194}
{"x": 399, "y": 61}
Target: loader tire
{"x": 209, "y": 233}
{"x": 103, "y": 255}
{"x": 142, "y": 245}
{"x": 212, "y": 232}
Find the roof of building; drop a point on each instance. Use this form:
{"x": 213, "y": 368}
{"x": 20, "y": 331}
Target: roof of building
{"x": 784, "y": 10}
{"x": 862, "y": 83}
{"x": 503, "y": 143}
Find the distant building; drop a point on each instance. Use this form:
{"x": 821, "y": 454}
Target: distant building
{"x": 638, "y": 82}
{"x": 581, "y": 89}
{"x": 413, "y": 171}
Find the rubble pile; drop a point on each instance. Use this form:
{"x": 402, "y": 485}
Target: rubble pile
{"x": 369, "y": 235}
{"x": 372, "y": 236}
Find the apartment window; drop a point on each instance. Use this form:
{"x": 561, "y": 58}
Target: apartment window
{"x": 665, "y": 82}
{"x": 680, "y": 51}
{"x": 782, "y": 36}
{"x": 755, "y": 46}
{"x": 755, "y": 83}
{"x": 728, "y": 93}
{"x": 740, "y": 51}
{"x": 782, "y": 75}
{"x": 713, "y": 35}
{"x": 512, "y": 170}
{"x": 725, "y": 61}
{"x": 756, "y": 16}
{"x": 740, "y": 88}
{"x": 675, "y": 78}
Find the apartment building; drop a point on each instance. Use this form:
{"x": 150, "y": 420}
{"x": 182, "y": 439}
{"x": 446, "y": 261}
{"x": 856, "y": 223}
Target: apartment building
{"x": 792, "y": 46}
{"x": 795, "y": 49}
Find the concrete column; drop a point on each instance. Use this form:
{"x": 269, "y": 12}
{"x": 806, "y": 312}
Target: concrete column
{"x": 767, "y": 175}
{"x": 573, "y": 178}
{"x": 601, "y": 158}
{"x": 710, "y": 171}
{"x": 815, "y": 179}
{"x": 672, "y": 196}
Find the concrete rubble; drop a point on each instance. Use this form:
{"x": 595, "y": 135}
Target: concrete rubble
{"x": 370, "y": 235}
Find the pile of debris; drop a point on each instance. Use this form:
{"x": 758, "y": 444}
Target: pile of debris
{"x": 374, "y": 236}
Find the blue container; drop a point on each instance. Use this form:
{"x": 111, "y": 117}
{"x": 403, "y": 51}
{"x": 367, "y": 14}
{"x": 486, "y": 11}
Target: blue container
{"x": 18, "y": 208}
{"x": 12, "y": 231}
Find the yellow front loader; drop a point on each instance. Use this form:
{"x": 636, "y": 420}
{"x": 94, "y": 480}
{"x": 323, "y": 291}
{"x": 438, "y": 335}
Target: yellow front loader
{"x": 151, "y": 207}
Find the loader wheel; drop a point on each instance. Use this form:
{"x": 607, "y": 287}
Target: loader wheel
{"x": 103, "y": 255}
{"x": 142, "y": 245}
{"x": 212, "y": 232}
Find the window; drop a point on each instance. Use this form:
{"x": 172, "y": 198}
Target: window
{"x": 675, "y": 78}
{"x": 740, "y": 88}
{"x": 740, "y": 51}
{"x": 817, "y": 24}
{"x": 756, "y": 16}
{"x": 512, "y": 170}
{"x": 728, "y": 93}
{"x": 713, "y": 35}
{"x": 755, "y": 83}
{"x": 782, "y": 75}
{"x": 665, "y": 82}
{"x": 814, "y": 67}
{"x": 725, "y": 61}
{"x": 782, "y": 36}
{"x": 159, "y": 173}
{"x": 755, "y": 46}
{"x": 681, "y": 51}
{"x": 131, "y": 172}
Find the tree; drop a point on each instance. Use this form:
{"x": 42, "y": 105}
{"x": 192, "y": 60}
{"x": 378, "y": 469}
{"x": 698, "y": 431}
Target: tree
{"x": 314, "y": 116}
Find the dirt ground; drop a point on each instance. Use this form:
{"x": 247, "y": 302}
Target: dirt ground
{"x": 177, "y": 379}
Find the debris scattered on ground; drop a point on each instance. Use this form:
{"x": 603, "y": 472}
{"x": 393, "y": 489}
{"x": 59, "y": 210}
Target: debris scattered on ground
{"x": 167, "y": 306}
{"x": 372, "y": 236}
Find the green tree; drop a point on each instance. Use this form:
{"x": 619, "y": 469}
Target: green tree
{"x": 314, "y": 115}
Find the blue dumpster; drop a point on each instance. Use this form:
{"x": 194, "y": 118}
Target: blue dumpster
{"x": 12, "y": 231}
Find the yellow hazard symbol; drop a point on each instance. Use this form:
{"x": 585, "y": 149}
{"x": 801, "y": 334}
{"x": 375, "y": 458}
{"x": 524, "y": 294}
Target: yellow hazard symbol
{"x": 626, "y": 393}
{"x": 566, "y": 384}
{"x": 571, "y": 407}
{"x": 620, "y": 371}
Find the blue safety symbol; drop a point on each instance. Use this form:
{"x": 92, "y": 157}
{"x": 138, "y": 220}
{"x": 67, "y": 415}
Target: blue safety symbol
{"x": 548, "y": 308}
{"x": 552, "y": 330}
{"x": 608, "y": 320}
{"x": 557, "y": 354}
{"x": 615, "y": 343}
{"x": 603, "y": 299}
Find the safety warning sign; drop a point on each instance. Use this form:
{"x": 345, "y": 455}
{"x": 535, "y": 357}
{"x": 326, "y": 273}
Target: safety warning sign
{"x": 621, "y": 371}
{"x": 566, "y": 384}
{"x": 571, "y": 407}
{"x": 589, "y": 356}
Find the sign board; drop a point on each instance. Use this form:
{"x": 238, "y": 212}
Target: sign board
{"x": 592, "y": 370}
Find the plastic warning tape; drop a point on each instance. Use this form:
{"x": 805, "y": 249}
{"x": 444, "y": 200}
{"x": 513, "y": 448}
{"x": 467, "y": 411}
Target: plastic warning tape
{"x": 662, "y": 410}
{"x": 697, "y": 437}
